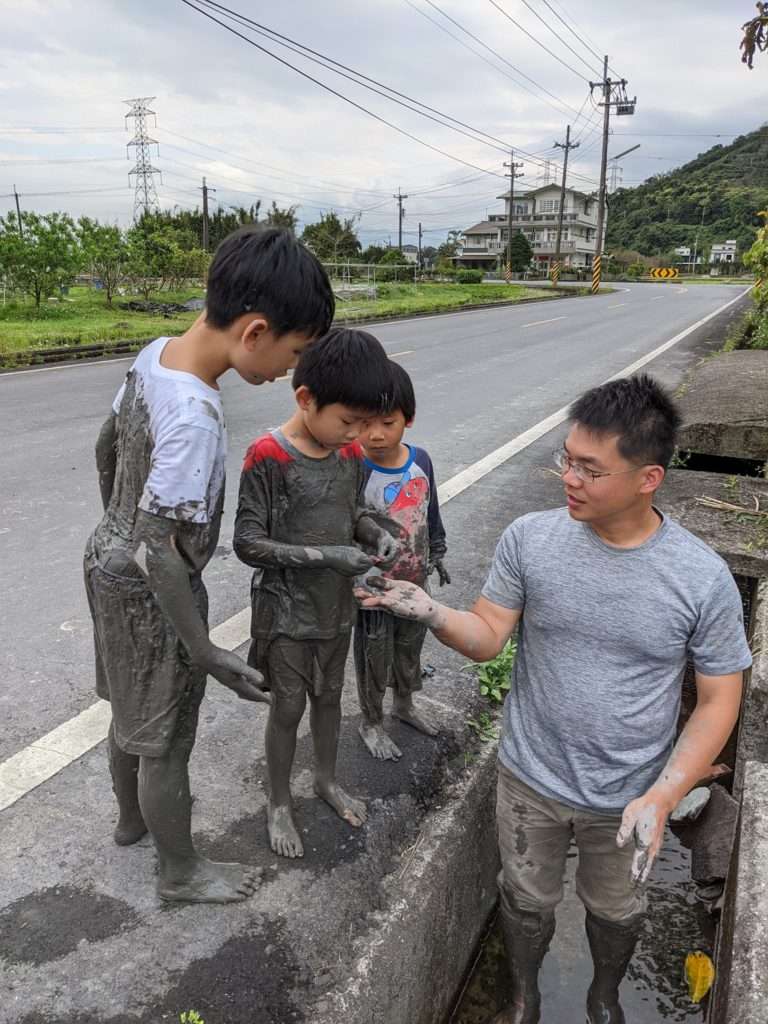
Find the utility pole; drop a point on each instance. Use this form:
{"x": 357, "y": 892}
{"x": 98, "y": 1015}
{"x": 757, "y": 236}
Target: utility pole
{"x": 566, "y": 146}
{"x": 609, "y": 89}
{"x": 205, "y": 191}
{"x": 418, "y": 255}
{"x": 513, "y": 173}
{"x": 18, "y": 212}
{"x": 400, "y": 214}
{"x": 696, "y": 242}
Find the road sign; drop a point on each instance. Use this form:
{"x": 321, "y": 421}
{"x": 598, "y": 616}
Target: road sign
{"x": 665, "y": 273}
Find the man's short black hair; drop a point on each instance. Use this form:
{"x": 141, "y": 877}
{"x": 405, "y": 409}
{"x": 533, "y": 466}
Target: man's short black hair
{"x": 403, "y": 397}
{"x": 638, "y": 411}
{"x": 267, "y": 270}
{"x": 346, "y": 366}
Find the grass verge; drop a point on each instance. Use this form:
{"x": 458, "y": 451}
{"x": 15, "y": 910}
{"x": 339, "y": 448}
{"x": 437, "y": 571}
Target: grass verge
{"x": 83, "y": 317}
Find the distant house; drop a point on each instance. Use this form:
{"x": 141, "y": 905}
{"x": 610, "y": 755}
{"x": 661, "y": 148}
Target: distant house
{"x": 411, "y": 253}
{"x": 536, "y": 214}
{"x": 724, "y": 252}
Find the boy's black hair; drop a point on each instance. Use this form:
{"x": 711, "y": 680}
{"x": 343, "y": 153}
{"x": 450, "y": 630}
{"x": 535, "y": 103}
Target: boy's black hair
{"x": 638, "y": 411}
{"x": 402, "y": 397}
{"x": 267, "y": 270}
{"x": 346, "y": 366}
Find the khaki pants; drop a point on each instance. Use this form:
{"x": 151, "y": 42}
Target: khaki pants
{"x": 535, "y": 833}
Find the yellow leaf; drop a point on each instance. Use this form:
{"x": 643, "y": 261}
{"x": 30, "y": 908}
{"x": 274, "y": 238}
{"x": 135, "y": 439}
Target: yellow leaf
{"x": 699, "y": 973}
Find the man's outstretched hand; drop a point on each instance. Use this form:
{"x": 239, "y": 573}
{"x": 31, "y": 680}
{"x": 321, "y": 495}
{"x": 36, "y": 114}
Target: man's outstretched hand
{"x": 643, "y": 822}
{"x": 403, "y": 599}
{"x": 232, "y": 672}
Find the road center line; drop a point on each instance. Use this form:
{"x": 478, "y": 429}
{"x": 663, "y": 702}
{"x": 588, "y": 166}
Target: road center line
{"x": 47, "y": 756}
{"x": 537, "y": 322}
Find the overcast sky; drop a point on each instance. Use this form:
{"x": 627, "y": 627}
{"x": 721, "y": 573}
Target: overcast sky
{"x": 258, "y": 130}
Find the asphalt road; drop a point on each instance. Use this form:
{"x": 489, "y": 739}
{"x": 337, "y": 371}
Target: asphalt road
{"x": 481, "y": 378}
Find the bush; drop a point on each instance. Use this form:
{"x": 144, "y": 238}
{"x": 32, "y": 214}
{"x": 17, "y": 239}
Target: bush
{"x": 495, "y": 677}
{"x": 469, "y": 277}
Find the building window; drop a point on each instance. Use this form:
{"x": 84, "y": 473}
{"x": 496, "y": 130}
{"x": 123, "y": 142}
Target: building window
{"x": 550, "y": 205}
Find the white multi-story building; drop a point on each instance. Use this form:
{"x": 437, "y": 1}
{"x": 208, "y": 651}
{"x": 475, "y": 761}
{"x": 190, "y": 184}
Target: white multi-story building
{"x": 536, "y": 214}
{"x": 724, "y": 252}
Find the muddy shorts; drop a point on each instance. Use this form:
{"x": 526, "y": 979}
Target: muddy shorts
{"x": 142, "y": 668}
{"x": 535, "y": 834}
{"x": 294, "y": 668}
{"x": 387, "y": 653}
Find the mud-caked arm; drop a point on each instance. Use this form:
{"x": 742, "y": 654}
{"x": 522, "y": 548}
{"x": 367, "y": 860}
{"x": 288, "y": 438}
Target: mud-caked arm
{"x": 371, "y": 535}
{"x": 106, "y": 457}
{"x": 167, "y": 574}
{"x": 254, "y": 545}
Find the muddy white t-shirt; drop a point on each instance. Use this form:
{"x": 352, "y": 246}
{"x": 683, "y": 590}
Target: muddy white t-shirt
{"x": 171, "y": 459}
{"x": 185, "y": 421}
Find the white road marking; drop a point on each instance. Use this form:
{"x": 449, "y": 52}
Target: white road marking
{"x": 657, "y": 297}
{"x": 616, "y": 306}
{"x": 537, "y": 322}
{"x": 47, "y": 756}
{"x": 396, "y": 355}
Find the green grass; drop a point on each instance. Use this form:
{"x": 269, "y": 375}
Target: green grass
{"x": 83, "y": 316}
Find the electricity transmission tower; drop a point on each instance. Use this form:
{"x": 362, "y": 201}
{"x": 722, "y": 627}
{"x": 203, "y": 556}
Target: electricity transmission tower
{"x": 145, "y": 197}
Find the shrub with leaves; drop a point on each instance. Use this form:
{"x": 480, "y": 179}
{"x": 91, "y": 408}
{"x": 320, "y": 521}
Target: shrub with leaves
{"x": 495, "y": 677}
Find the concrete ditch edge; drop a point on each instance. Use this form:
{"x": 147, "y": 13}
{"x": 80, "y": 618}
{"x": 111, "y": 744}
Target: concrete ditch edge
{"x": 740, "y": 994}
{"x": 437, "y": 905}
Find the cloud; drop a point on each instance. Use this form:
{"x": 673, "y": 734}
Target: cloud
{"x": 275, "y": 134}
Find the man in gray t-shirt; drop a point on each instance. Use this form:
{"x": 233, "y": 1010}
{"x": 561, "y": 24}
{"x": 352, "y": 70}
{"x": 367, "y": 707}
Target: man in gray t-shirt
{"x": 611, "y": 598}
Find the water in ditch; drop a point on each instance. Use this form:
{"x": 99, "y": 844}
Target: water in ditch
{"x": 654, "y": 990}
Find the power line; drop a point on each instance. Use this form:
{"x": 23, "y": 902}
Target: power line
{"x": 538, "y": 42}
{"x": 490, "y": 49}
{"x": 335, "y": 92}
{"x": 557, "y": 35}
{"x": 359, "y": 78}
{"x": 573, "y": 30}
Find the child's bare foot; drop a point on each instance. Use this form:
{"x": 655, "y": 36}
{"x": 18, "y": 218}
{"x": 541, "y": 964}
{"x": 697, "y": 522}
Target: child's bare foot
{"x": 211, "y": 882}
{"x": 379, "y": 744}
{"x": 283, "y": 837}
{"x": 407, "y": 712}
{"x": 130, "y": 828}
{"x": 347, "y": 807}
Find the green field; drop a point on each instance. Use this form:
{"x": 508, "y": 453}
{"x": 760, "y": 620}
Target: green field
{"x": 83, "y": 317}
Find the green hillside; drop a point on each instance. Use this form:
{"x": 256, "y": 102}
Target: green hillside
{"x": 729, "y": 182}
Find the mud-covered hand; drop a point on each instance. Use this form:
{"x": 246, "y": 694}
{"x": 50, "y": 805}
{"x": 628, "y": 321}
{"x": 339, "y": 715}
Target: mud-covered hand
{"x": 232, "y": 672}
{"x": 386, "y": 549}
{"x": 643, "y": 823}
{"x": 403, "y": 599}
{"x": 436, "y": 565}
{"x": 346, "y": 559}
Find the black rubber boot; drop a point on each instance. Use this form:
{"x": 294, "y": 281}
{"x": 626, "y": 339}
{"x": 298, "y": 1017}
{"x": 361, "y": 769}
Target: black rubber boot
{"x": 612, "y": 944}
{"x": 527, "y": 937}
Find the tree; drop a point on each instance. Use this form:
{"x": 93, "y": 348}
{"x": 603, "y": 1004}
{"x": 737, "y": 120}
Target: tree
{"x": 755, "y": 35}
{"x": 46, "y": 258}
{"x": 449, "y": 248}
{"x": 105, "y": 252}
{"x": 373, "y": 253}
{"x": 331, "y": 239}
{"x": 394, "y": 259}
{"x": 520, "y": 253}
{"x": 150, "y": 259}
{"x": 277, "y": 218}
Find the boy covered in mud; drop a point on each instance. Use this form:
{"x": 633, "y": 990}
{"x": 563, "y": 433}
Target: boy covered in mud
{"x": 161, "y": 459}
{"x": 400, "y": 491}
{"x": 298, "y": 521}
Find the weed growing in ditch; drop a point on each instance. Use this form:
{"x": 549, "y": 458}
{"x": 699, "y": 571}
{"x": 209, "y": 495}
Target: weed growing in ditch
{"x": 494, "y": 677}
{"x": 485, "y": 726}
{"x": 191, "y": 1017}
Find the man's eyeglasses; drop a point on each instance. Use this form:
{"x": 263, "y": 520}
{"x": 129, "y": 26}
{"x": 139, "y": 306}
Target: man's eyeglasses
{"x": 564, "y": 463}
